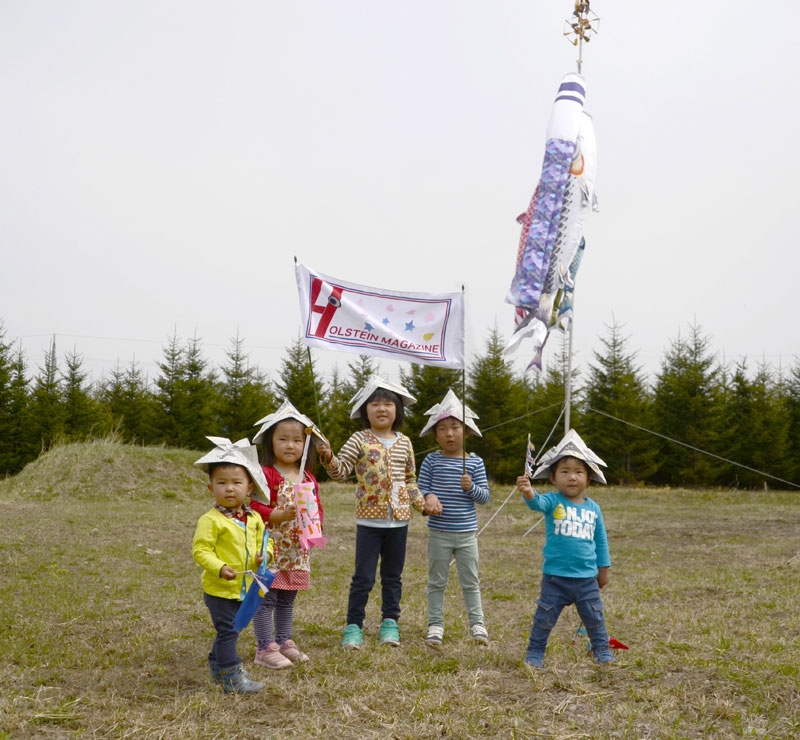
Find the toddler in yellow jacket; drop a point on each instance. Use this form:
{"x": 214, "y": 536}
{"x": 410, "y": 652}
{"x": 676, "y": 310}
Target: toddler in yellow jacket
{"x": 228, "y": 543}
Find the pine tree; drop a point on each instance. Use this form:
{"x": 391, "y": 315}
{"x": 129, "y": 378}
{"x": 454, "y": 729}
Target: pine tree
{"x": 498, "y": 396}
{"x": 132, "y": 405}
{"x": 337, "y": 425}
{"x": 617, "y": 388}
{"x": 544, "y": 403}
{"x": 359, "y": 373}
{"x": 141, "y": 409}
{"x": 47, "y": 403}
{"x": 555, "y": 385}
{"x": 5, "y": 374}
{"x": 169, "y": 390}
{"x": 244, "y": 394}
{"x": 299, "y": 383}
{"x": 82, "y": 415}
{"x": 545, "y": 411}
{"x": 187, "y": 395}
{"x": 7, "y": 454}
{"x": 23, "y": 443}
{"x": 428, "y": 384}
{"x": 197, "y": 409}
{"x": 791, "y": 397}
{"x": 754, "y": 429}
{"x": 686, "y": 409}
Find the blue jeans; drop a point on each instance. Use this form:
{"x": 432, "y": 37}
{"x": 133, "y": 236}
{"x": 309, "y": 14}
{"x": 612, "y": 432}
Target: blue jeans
{"x": 223, "y": 613}
{"x": 442, "y": 547}
{"x": 388, "y": 544}
{"x": 558, "y": 592}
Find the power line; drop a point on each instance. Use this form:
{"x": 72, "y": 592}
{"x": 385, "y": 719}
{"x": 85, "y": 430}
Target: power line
{"x": 695, "y": 449}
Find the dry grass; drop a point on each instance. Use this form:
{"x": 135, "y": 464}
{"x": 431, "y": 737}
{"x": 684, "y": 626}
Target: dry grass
{"x": 104, "y": 632}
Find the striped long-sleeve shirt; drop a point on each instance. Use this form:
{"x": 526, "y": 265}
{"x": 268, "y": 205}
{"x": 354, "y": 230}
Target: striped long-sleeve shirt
{"x": 441, "y": 475}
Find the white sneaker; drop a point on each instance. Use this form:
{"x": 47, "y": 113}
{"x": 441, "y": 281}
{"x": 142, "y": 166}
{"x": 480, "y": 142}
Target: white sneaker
{"x": 478, "y": 633}
{"x": 435, "y": 636}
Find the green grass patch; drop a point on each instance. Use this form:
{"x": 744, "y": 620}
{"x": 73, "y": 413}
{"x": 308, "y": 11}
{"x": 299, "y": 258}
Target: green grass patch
{"x": 104, "y": 632}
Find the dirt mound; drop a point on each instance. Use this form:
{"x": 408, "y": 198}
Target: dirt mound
{"x": 107, "y": 467}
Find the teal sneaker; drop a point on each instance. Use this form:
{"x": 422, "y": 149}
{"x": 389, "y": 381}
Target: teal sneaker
{"x": 389, "y": 633}
{"x": 353, "y": 637}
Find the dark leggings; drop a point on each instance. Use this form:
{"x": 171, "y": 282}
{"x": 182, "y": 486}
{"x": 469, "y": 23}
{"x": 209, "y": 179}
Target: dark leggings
{"x": 372, "y": 543}
{"x": 277, "y": 608}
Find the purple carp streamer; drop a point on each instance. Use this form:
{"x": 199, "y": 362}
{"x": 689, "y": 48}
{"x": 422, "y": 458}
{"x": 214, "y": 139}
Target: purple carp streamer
{"x": 551, "y": 243}
{"x": 526, "y": 288}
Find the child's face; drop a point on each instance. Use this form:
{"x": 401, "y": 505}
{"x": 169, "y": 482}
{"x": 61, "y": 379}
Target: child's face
{"x": 450, "y": 436}
{"x": 381, "y": 413}
{"x": 571, "y": 477}
{"x": 230, "y": 485}
{"x": 288, "y": 442}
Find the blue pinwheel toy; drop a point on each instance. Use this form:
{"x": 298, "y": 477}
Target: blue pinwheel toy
{"x": 262, "y": 580}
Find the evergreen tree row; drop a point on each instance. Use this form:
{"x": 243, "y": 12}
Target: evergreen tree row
{"x": 699, "y": 423}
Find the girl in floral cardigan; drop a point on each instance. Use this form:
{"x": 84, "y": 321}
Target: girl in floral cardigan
{"x": 386, "y": 491}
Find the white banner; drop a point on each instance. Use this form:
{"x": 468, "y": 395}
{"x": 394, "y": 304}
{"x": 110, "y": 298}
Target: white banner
{"x": 424, "y": 328}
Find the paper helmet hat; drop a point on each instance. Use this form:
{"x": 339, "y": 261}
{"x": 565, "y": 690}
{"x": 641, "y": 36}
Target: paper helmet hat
{"x": 571, "y": 446}
{"x": 372, "y": 385}
{"x": 238, "y": 453}
{"x": 284, "y": 412}
{"x": 450, "y": 406}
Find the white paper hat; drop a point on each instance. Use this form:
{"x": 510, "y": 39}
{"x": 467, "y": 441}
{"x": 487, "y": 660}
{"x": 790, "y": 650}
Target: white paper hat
{"x": 286, "y": 411}
{"x": 450, "y": 406}
{"x": 238, "y": 453}
{"x": 372, "y": 385}
{"x": 571, "y": 446}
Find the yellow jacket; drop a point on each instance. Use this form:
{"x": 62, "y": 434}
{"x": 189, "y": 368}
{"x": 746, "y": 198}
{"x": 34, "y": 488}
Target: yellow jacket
{"x": 220, "y": 540}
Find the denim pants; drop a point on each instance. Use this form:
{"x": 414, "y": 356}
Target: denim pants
{"x": 558, "y": 592}
{"x": 442, "y": 548}
{"x": 223, "y": 613}
{"x": 372, "y": 543}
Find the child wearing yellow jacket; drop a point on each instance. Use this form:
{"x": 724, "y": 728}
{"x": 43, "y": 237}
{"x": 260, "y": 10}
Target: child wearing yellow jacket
{"x": 227, "y": 545}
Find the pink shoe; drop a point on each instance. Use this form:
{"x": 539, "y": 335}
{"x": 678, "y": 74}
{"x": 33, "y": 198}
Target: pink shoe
{"x": 289, "y": 649}
{"x": 271, "y": 657}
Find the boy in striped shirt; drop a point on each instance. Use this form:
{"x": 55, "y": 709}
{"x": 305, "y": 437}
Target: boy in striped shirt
{"x": 453, "y": 482}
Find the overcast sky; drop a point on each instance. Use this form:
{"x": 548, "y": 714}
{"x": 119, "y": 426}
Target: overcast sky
{"x": 162, "y": 163}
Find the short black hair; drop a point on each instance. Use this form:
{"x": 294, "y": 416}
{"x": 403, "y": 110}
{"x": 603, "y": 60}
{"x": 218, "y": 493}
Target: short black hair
{"x": 223, "y": 464}
{"x": 554, "y": 465}
{"x": 385, "y": 394}
{"x": 467, "y": 430}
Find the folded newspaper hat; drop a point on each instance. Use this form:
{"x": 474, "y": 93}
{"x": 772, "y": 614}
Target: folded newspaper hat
{"x": 373, "y": 383}
{"x": 571, "y": 446}
{"x": 284, "y": 412}
{"x": 238, "y": 453}
{"x": 450, "y": 406}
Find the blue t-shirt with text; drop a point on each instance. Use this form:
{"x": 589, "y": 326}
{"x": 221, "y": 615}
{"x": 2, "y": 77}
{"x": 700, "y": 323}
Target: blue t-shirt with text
{"x": 576, "y": 544}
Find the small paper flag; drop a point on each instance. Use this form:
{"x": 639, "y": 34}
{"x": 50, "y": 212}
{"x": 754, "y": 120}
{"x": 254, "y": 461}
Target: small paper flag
{"x": 529, "y": 460}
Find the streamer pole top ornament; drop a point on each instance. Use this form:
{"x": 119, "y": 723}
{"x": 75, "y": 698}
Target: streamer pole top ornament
{"x": 580, "y": 27}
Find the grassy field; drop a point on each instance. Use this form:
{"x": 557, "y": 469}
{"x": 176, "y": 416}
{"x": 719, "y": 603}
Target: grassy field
{"x": 104, "y": 633}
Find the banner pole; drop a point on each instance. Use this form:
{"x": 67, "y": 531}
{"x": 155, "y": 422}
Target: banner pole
{"x": 568, "y": 379}
{"x": 464, "y": 383}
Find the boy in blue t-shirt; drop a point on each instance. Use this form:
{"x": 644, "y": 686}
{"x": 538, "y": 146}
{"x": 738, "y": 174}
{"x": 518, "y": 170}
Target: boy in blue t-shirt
{"x": 576, "y": 558}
